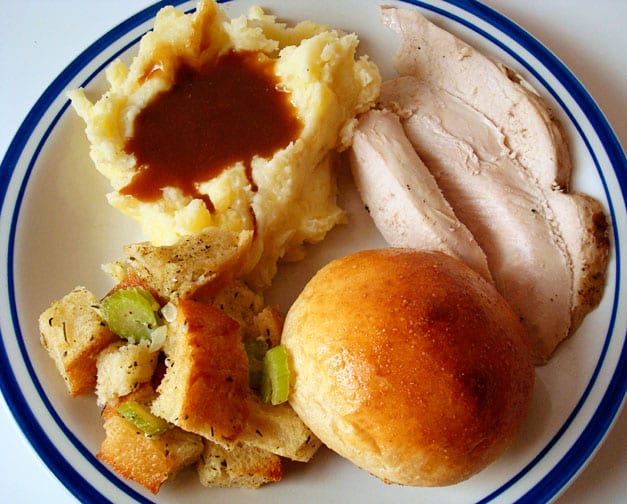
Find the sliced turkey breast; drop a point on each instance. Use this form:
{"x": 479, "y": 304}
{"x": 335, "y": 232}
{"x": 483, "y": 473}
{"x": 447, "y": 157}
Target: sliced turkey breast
{"x": 506, "y": 213}
{"x": 402, "y": 196}
{"x": 436, "y": 56}
{"x": 502, "y": 163}
{"x": 585, "y": 229}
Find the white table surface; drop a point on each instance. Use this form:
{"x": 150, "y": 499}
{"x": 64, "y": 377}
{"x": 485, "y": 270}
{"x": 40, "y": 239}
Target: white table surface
{"x": 38, "y": 38}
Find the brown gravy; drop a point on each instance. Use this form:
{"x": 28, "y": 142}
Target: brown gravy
{"x": 211, "y": 118}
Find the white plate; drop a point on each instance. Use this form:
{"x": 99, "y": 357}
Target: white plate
{"x": 56, "y": 229}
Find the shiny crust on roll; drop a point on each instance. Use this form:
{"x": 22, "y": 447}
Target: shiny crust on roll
{"x": 409, "y": 364}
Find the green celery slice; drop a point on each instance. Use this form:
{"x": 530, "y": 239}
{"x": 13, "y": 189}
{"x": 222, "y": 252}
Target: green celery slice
{"x": 255, "y": 350}
{"x": 131, "y": 313}
{"x": 275, "y": 381}
{"x": 140, "y": 416}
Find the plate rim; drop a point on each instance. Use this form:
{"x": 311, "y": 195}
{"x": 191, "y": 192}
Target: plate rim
{"x": 607, "y": 409}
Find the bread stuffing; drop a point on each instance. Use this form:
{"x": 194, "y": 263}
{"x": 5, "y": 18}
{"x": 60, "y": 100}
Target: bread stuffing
{"x": 182, "y": 375}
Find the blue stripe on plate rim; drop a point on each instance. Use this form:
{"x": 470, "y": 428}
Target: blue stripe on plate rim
{"x": 551, "y": 484}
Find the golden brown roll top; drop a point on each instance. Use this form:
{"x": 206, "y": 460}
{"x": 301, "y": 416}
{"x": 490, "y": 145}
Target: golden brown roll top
{"x": 409, "y": 364}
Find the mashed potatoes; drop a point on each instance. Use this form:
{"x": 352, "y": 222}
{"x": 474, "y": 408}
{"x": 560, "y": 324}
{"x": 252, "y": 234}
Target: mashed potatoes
{"x": 287, "y": 198}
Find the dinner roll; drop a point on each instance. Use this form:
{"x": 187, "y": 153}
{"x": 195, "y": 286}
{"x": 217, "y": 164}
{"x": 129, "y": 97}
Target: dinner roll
{"x": 409, "y": 364}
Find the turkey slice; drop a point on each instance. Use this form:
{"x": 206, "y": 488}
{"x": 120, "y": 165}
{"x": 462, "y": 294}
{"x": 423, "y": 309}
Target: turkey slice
{"x": 402, "y": 196}
{"x": 502, "y": 163}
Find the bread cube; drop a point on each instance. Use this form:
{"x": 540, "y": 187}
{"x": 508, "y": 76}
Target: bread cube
{"x": 122, "y": 367}
{"x": 241, "y": 466}
{"x": 240, "y": 303}
{"x": 148, "y": 460}
{"x": 74, "y": 334}
{"x": 195, "y": 267}
{"x": 278, "y": 429}
{"x": 205, "y": 385}
{"x": 269, "y": 325}
{"x": 248, "y": 307}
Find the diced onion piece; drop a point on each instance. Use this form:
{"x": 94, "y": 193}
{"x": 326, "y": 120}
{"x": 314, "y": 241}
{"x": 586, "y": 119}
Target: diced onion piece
{"x": 275, "y": 381}
{"x": 142, "y": 418}
{"x": 169, "y": 312}
{"x": 157, "y": 338}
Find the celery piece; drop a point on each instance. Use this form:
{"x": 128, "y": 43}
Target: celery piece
{"x": 255, "y": 350}
{"x": 131, "y": 313}
{"x": 140, "y": 416}
{"x": 275, "y": 380}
